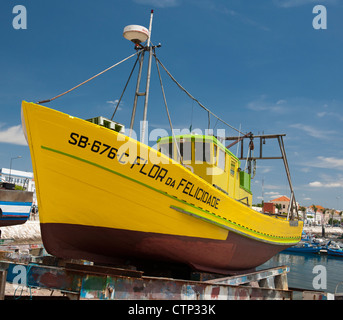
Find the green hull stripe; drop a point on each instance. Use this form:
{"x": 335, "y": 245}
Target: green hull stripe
{"x": 243, "y": 233}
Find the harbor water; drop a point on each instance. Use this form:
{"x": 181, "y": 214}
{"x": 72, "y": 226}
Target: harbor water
{"x": 319, "y": 272}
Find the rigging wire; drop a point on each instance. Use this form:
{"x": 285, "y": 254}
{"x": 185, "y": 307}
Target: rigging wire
{"x": 238, "y": 139}
{"x": 191, "y": 126}
{"x": 95, "y": 76}
{"x": 169, "y": 74}
{"x": 209, "y": 121}
{"x": 199, "y": 103}
{"x": 215, "y": 124}
{"x": 127, "y": 82}
{"x": 165, "y": 103}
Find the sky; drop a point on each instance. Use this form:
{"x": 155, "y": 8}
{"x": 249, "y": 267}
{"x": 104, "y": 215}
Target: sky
{"x": 262, "y": 66}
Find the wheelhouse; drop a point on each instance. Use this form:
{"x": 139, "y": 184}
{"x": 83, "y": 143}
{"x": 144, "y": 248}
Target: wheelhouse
{"x": 208, "y": 158}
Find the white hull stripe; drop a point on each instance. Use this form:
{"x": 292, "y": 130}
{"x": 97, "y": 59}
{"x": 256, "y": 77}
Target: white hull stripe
{"x": 8, "y": 210}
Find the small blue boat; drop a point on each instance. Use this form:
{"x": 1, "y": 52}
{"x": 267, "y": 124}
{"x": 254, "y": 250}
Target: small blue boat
{"x": 334, "y": 249}
{"x": 303, "y": 247}
{"x": 335, "y": 252}
{"x": 15, "y": 206}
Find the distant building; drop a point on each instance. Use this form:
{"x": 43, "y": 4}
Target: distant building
{"x": 20, "y": 178}
{"x": 318, "y": 215}
{"x": 269, "y": 207}
{"x": 319, "y": 208}
{"x": 258, "y": 209}
{"x": 281, "y": 202}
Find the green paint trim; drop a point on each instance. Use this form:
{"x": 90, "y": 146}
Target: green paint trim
{"x": 279, "y": 238}
{"x": 245, "y": 229}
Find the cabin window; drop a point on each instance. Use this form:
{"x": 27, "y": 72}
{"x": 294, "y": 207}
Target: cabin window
{"x": 185, "y": 150}
{"x": 167, "y": 149}
{"x": 215, "y": 148}
{"x": 221, "y": 159}
{"x": 202, "y": 152}
{"x": 232, "y": 170}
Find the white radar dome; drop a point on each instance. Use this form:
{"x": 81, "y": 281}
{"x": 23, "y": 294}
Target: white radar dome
{"x": 135, "y": 33}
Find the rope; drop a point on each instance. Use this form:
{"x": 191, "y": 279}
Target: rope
{"x": 189, "y": 95}
{"x": 157, "y": 60}
{"x": 84, "y": 82}
{"x": 128, "y": 80}
{"x": 165, "y": 103}
{"x": 190, "y": 128}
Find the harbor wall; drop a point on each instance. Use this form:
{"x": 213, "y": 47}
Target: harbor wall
{"x": 15, "y": 195}
{"x": 328, "y": 230}
{"x": 29, "y": 232}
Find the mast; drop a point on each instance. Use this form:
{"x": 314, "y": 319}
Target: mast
{"x": 149, "y": 47}
{"x": 137, "y": 94}
{"x": 138, "y": 34}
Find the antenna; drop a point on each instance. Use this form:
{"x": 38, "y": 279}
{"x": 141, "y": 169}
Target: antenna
{"x": 150, "y": 26}
{"x": 138, "y": 34}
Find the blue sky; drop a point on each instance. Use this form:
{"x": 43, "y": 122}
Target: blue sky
{"x": 260, "y": 65}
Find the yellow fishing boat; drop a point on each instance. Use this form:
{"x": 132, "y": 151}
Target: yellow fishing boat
{"x": 106, "y": 197}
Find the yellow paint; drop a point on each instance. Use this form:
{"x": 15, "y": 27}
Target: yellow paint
{"x": 90, "y": 175}
{"x": 220, "y": 168}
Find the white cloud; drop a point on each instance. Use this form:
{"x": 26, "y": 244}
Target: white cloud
{"x": 313, "y": 132}
{"x": 315, "y": 184}
{"x": 264, "y": 169}
{"x": 332, "y": 162}
{"x": 327, "y": 163}
{"x": 281, "y": 102}
{"x": 321, "y": 114}
{"x": 115, "y": 102}
{"x": 13, "y": 135}
{"x": 273, "y": 194}
{"x": 262, "y": 104}
{"x": 318, "y": 184}
{"x": 335, "y": 115}
{"x": 244, "y": 19}
{"x": 298, "y": 3}
{"x": 159, "y": 3}
{"x": 271, "y": 186}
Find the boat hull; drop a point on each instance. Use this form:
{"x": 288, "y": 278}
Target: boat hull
{"x": 15, "y": 207}
{"x": 335, "y": 252}
{"x": 116, "y": 246}
{"x": 104, "y": 196}
{"x": 303, "y": 250}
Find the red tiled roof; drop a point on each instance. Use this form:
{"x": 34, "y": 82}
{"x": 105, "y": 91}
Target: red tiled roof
{"x": 318, "y": 207}
{"x": 282, "y": 198}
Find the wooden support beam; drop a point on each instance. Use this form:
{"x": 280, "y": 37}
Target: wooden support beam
{"x": 3, "y": 275}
